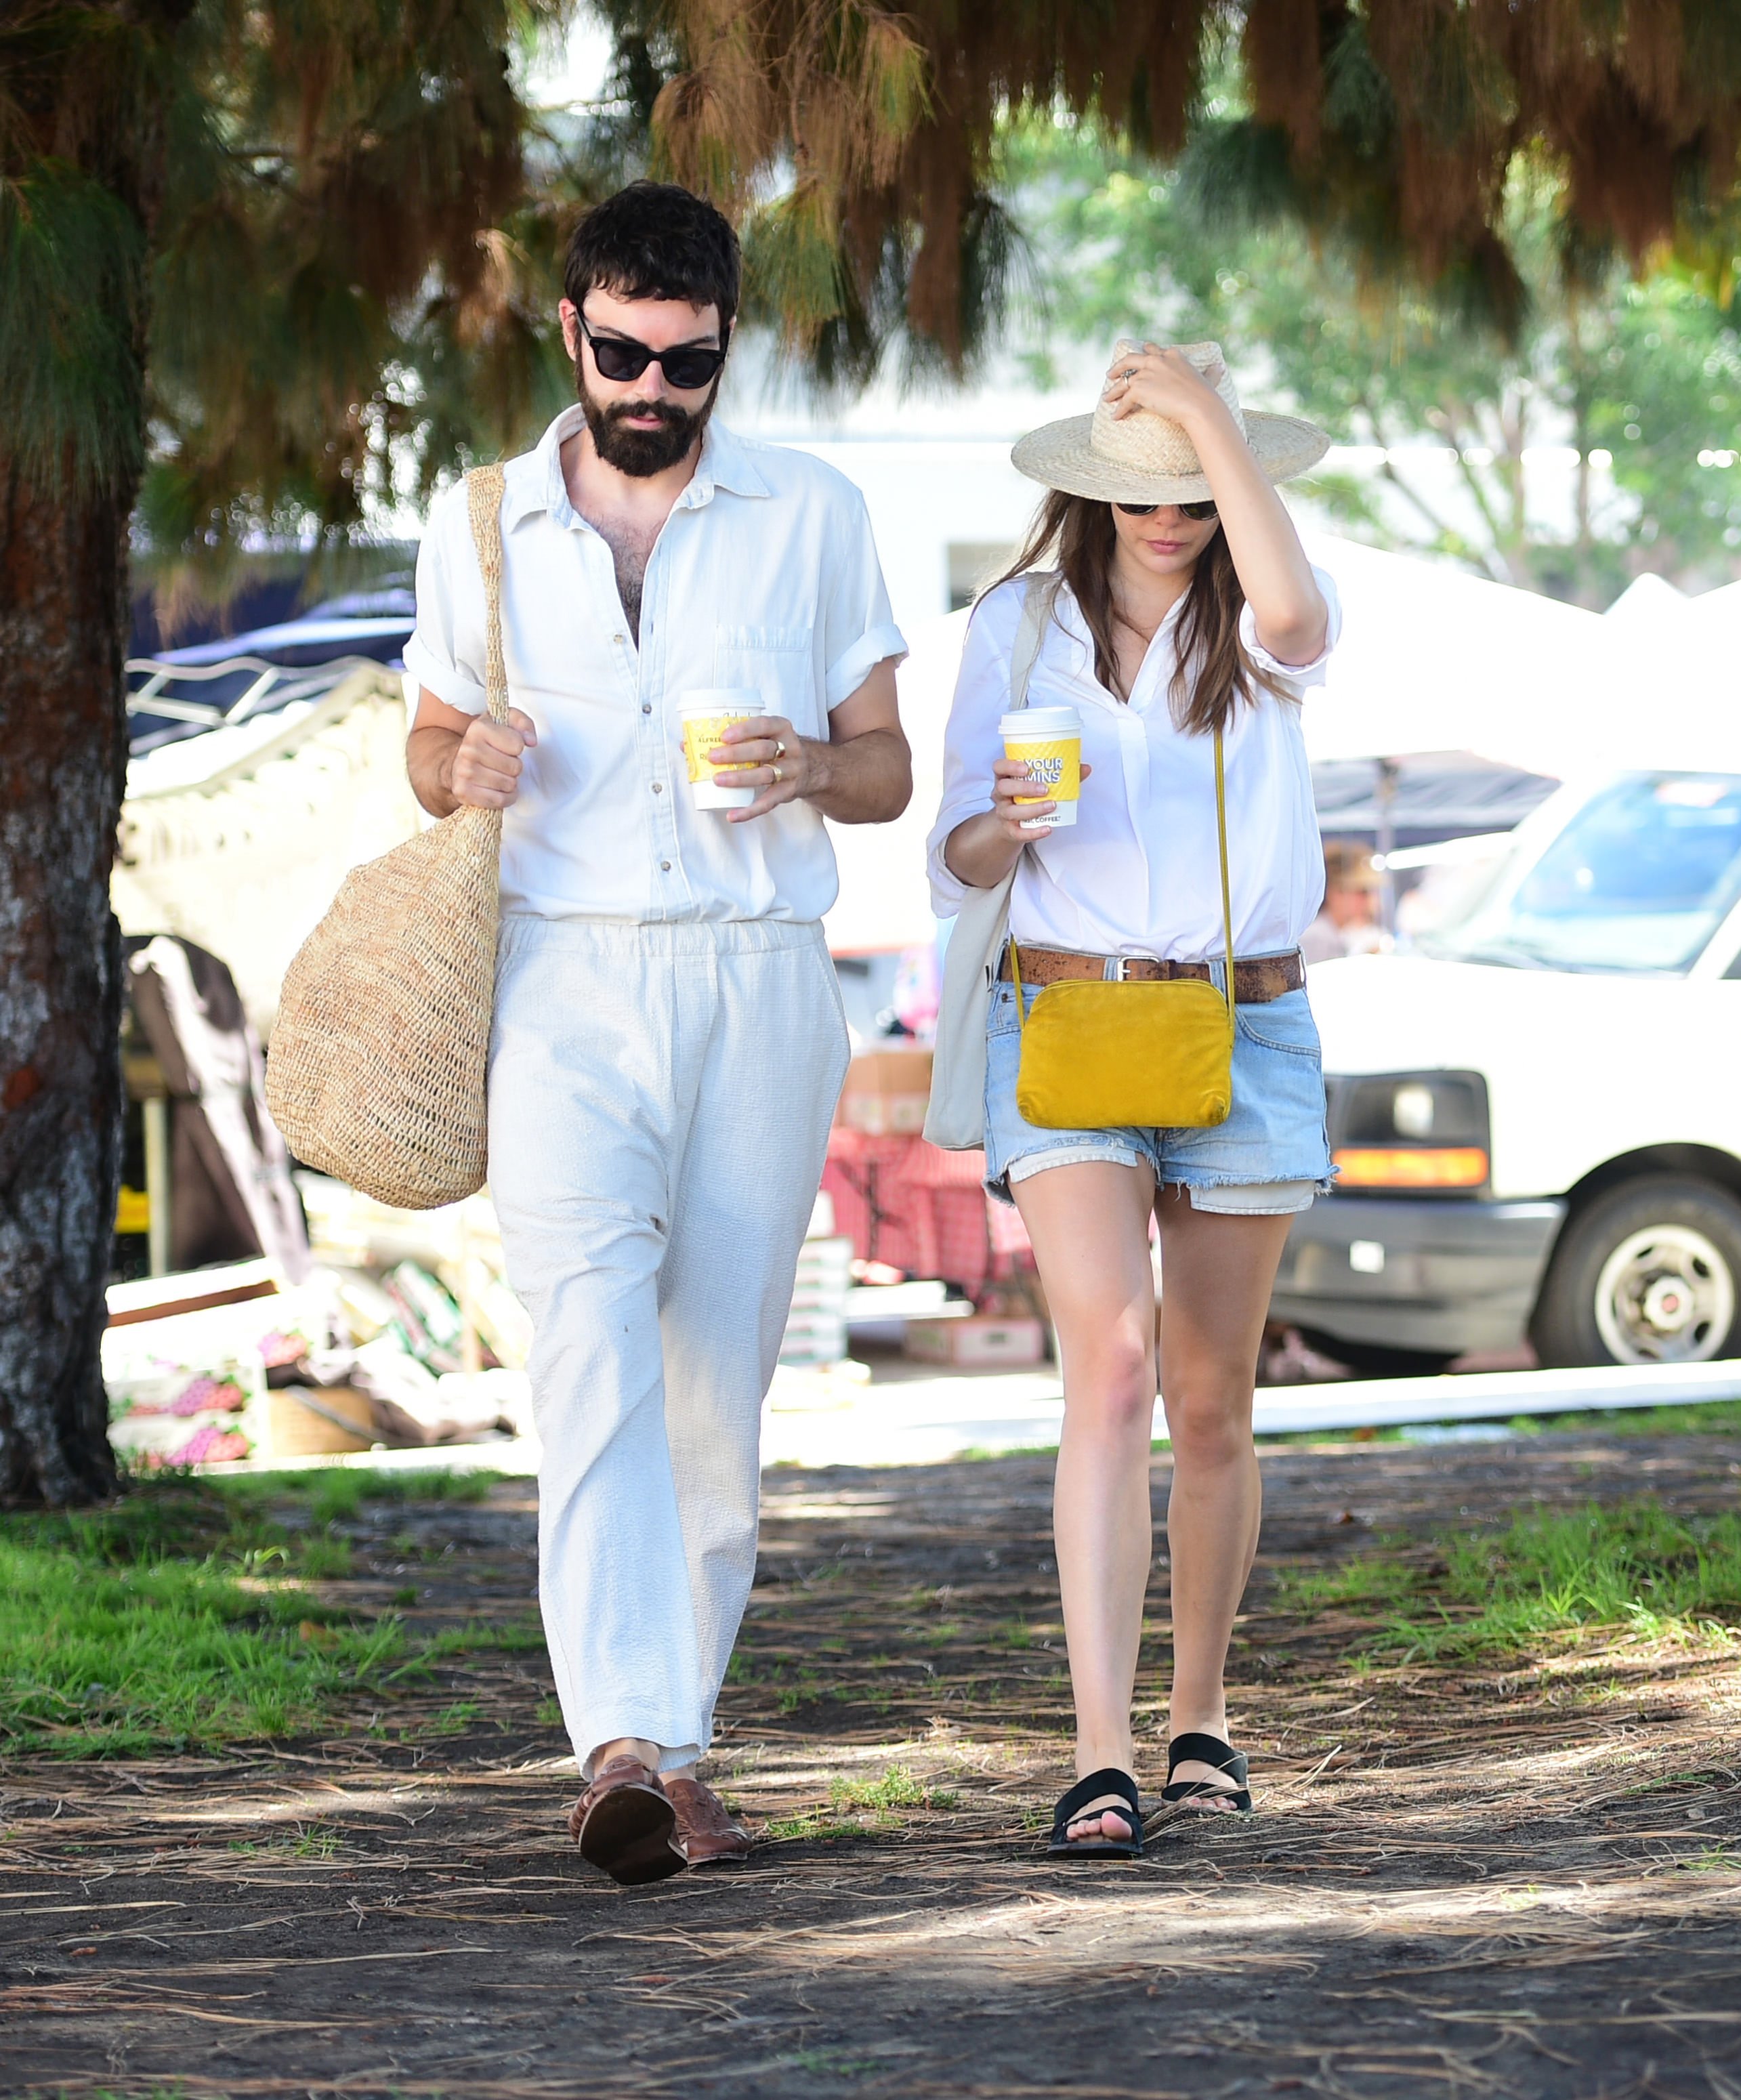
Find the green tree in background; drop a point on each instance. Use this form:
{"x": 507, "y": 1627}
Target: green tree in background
{"x": 1644, "y": 375}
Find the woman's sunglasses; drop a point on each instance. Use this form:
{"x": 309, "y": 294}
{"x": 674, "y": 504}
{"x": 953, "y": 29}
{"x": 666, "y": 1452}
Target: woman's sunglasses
{"x": 1197, "y": 512}
{"x": 688, "y": 369}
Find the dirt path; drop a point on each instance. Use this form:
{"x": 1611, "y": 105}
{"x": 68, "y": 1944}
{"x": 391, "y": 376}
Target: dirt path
{"x": 1508, "y": 1883}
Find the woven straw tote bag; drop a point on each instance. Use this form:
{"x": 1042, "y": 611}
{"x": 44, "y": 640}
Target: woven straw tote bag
{"x": 379, "y": 1054}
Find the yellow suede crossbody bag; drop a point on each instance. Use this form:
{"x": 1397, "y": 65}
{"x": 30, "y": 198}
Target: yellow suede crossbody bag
{"x": 1095, "y": 1057}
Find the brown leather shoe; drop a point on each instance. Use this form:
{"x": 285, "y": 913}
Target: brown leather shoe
{"x": 708, "y": 1829}
{"x": 626, "y": 1824}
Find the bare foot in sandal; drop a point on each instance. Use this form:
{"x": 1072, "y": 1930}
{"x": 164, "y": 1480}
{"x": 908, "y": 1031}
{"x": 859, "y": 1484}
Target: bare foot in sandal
{"x": 1206, "y": 1775}
{"x": 1100, "y": 1817}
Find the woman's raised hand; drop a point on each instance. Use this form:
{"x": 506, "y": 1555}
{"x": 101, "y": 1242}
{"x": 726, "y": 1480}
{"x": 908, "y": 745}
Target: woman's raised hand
{"x": 1165, "y": 381}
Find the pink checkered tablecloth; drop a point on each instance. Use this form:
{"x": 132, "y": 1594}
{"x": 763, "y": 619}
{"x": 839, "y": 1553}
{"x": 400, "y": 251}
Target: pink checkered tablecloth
{"x": 921, "y": 1209}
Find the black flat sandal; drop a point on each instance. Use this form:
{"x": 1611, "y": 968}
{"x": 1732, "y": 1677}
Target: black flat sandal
{"x": 1183, "y": 1796}
{"x": 1071, "y": 1805}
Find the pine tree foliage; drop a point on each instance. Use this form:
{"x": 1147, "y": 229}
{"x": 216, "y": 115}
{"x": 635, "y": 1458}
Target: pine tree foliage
{"x": 1394, "y": 124}
{"x": 337, "y": 244}
{"x": 333, "y": 268}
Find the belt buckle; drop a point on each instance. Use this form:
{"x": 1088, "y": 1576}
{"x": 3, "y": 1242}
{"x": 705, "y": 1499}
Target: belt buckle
{"x": 1116, "y": 968}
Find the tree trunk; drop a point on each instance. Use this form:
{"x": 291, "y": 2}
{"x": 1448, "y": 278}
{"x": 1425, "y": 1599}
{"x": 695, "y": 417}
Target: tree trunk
{"x": 84, "y": 94}
{"x": 63, "y": 731}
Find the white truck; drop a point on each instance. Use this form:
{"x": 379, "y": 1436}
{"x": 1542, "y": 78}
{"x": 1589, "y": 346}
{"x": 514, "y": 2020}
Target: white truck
{"x": 1537, "y": 1110}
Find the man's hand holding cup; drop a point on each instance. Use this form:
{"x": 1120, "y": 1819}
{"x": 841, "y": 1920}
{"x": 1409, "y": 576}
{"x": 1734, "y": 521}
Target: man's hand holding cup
{"x": 787, "y": 764}
{"x": 484, "y": 770}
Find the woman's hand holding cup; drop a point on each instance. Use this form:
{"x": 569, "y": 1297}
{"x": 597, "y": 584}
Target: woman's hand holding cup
{"x": 1024, "y": 822}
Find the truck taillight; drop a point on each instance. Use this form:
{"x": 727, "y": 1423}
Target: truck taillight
{"x": 1411, "y": 1166}
{"x": 1419, "y": 1132}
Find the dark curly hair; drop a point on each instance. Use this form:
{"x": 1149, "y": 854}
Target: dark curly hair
{"x": 656, "y": 240}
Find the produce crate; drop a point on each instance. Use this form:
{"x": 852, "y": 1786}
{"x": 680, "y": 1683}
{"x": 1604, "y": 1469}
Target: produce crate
{"x": 887, "y": 1092}
{"x": 980, "y": 1343}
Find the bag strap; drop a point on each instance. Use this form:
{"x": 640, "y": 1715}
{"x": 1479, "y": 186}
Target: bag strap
{"x": 1038, "y": 600}
{"x": 484, "y": 499}
{"x": 1226, "y": 895}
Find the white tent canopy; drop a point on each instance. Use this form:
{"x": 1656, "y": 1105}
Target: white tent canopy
{"x": 1433, "y": 658}
{"x": 238, "y": 840}
{"x": 1665, "y": 690}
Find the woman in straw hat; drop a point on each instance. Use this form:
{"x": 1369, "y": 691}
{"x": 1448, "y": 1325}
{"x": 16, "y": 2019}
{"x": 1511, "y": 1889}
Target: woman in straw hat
{"x": 1183, "y": 605}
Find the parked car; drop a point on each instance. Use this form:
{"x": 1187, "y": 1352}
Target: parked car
{"x": 1536, "y": 1111}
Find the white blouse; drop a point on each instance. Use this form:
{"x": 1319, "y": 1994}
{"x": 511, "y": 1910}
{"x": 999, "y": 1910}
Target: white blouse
{"x": 1138, "y": 873}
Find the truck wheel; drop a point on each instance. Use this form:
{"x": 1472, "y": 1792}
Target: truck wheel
{"x": 1649, "y": 1273}
{"x": 1378, "y": 1359}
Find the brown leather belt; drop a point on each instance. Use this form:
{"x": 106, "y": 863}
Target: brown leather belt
{"x": 1256, "y": 979}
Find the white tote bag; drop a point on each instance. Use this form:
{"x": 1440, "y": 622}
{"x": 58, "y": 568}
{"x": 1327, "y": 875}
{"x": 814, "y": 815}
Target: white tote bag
{"x": 955, "y": 1118}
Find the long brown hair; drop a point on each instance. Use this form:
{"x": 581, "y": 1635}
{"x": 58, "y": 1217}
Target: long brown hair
{"x": 1214, "y": 672}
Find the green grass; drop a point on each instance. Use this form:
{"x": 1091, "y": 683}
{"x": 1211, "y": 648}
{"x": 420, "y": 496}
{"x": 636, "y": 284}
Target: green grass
{"x": 178, "y": 1616}
{"x": 452, "y": 1720}
{"x": 305, "y": 1842}
{"x": 1705, "y": 1414}
{"x": 332, "y": 1493}
{"x": 896, "y": 1788}
{"x": 854, "y": 1805}
{"x": 1633, "y": 1566}
{"x": 520, "y": 1637}
{"x": 325, "y": 1560}
{"x": 97, "y": 1660}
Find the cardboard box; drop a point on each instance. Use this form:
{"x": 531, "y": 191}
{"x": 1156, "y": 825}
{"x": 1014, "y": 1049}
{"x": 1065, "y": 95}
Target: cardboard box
{"x": 980, "y": 1344}
{"x": 887, "y": 1092}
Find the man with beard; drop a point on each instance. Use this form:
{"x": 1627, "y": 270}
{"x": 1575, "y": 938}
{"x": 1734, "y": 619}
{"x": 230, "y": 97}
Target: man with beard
{"x": 669, "y": 1042}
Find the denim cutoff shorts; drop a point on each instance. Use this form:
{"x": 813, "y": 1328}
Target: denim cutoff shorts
{"x": 1270, "y": 1157}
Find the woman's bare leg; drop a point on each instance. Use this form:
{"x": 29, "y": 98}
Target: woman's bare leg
{"x": 1216, "y": 1274}
{"x": 1089, "y": 1224}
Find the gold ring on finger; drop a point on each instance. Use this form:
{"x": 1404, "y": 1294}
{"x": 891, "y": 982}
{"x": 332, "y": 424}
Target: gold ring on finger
{"x": 777, "y": 774}
{"x": 779, "y": 747}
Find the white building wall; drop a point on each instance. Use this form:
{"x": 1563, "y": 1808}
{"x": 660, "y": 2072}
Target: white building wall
{"x": 925, "y": 495}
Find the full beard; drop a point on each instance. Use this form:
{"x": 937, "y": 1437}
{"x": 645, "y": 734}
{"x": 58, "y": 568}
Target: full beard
{"x": 642, "y": 453}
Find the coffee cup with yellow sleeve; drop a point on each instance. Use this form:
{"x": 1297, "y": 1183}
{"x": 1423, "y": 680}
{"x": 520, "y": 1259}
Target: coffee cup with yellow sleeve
{"x": 1048, "y": 742}
{"x": 706, "y": 713}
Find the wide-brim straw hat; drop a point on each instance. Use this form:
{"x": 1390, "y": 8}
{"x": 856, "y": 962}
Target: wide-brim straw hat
{"x": 1147, "y": 458}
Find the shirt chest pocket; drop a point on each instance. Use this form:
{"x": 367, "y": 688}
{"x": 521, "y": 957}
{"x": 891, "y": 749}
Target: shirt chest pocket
{"x": 780, "y": 663}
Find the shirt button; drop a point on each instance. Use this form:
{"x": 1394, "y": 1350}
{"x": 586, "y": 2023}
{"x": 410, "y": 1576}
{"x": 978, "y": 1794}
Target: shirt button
{"x": 664, "y": 868}
{"x": 619, "y": 637}
{"x": 658, "y": 786}
{"x": 647, "y": 707}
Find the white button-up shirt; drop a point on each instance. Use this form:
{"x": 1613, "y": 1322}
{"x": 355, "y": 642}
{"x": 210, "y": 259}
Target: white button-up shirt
{"x": 763, "y": 575}
{"x": 1138, "y": 873}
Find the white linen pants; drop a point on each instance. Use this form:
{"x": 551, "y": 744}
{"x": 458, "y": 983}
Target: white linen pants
{"x": 660, "y": 1103}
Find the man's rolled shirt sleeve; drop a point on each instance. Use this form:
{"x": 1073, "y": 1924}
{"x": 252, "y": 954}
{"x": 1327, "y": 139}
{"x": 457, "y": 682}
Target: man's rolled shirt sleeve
{"x": 858, "y": 629}
{"x": 445, "y": 652}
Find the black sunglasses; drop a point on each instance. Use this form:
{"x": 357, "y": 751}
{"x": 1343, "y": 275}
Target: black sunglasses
{"x": 1197, "y": 512}
{"x": 689, "y": 368}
